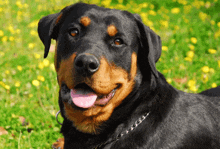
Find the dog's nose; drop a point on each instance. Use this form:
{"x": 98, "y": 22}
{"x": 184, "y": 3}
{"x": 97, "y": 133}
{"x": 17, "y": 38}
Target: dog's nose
{"x": 86, "y": 64}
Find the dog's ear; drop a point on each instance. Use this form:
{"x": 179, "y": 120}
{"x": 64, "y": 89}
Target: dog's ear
{"x": 46, "y": 30}
{"x": 150, "y": 50}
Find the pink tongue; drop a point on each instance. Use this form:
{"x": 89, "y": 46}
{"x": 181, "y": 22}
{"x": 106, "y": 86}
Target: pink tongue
{"x": 83, "y": 99}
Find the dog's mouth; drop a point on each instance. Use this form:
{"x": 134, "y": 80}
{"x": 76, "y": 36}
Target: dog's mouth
{"x": 85, "y": 97}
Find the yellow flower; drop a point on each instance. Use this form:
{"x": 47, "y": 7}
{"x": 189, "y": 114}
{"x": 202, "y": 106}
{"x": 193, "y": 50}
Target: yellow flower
{"x": 18, "y": 31}
{"x": 188, "y": 59}
{"x": 35, "y": 82}
{"x": 7, "y": 72}
{"x": 212, "y": 22}
{"x": 41, "y": 65}
{"x": 193, "y": 40}
{"x": 2, "y": 53}
{"x": 31, "y": 45}
{"x": 211, "y": 70}
{"x": 219, "y": 63}
{"x": 11, "y": 38}
{"x": 52, "y": 67}
{"x": 1, "y": 33}
{"x": 151, "y": 12}
{"x": 19, "y": 68}
{"x": 4, "y": 39}
{"x": 106, "y": 3}
{"x": 17, "y": 84}
{"x": 193, "y": 88}
{"x": 214, "y": 85}
{"x": 205, "y": 69}
{"x": 207, "y": 4}
{"x": 46, "y": 62}
{"x": 218, "y": 24}
{"x": 33, "y": 33}
{"x": 37, "y": 56}
{"x": 30, "y": 95}
{"x": 169, "y": 80}
{"x": 203, "y": 16}
{"x": 190, "y": 54}
{"x": 205, "y": 78}
{"x": 175, "y": 10}
{"x": 191, "y": 47}
{"x": 2, "y": 83}
{"x": 212, "y": 51}
{"x": 164, "y": 23}
{"x": 173, "y": 41}
{"x": 41, "y": 78}
{"x": 191, "y": 83}
{"x": 7, "y": 87}
{"x": 164, "y": 48}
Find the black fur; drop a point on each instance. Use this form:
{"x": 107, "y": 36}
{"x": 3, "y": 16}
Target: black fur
{"x": 177, "y": 120}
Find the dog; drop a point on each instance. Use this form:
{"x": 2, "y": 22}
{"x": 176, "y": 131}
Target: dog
{"x": 111, "y": 95}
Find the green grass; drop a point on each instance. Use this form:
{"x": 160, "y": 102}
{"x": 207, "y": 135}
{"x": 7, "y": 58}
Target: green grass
{"x": 21, "y": 68}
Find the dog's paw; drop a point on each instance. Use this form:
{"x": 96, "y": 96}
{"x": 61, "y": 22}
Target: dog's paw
{"x": 59, "y": 144}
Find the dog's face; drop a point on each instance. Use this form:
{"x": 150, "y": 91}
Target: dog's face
{"x": 99, "y": 59}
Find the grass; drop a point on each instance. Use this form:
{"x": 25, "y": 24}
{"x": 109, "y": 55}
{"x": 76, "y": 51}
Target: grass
{"x": 190, "y": 32}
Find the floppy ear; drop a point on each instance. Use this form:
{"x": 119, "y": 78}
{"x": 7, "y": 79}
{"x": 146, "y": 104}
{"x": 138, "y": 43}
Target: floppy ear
{"x": 48, "y": 27}
{"x": 150, "y": 50}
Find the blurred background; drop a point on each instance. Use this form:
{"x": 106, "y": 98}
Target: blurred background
{"x": 190, "y": 60}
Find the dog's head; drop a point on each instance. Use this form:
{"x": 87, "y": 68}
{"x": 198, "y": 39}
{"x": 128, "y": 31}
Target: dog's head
{"x": 101, "y": 55}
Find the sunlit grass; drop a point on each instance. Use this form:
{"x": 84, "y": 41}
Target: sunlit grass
{"x": 190, "y": 60}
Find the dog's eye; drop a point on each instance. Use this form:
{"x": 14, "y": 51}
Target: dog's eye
{"x": 74, "y": 32}
{"x": 118, "y": 41}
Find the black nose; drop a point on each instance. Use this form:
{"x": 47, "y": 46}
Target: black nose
{"x": 86, "y": 64}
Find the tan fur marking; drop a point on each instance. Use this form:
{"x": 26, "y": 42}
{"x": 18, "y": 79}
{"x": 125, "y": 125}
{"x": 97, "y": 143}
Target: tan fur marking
{"x": 85, "y": 21}
{"x": 55, "y": 56}
{"x": 59, "y": 143}
{"x": 112, "y": 30}
{"x": 58, "y": 18}
{"x": 102, "y": 82}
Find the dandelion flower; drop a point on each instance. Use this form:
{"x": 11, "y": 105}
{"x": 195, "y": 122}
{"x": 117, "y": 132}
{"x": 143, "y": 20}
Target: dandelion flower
{"x": 191, "y": 83}
{"x": 188, "y": 59}
{"x": 214, "y": 85}
{"x": 190, "y": 54}
{"x": 164, "y": 48}
{"x": 31, "y": 45}
{"x": 46, "y": 62}
{"x": 169, "y": 80}
{"x": 175, "y": 10}
{"x": 7, "y": 87}
{"x": 41, "y": 65}
{"x": 41, "y": 78}
{"x": 1, "y": 33}
{"x": 191, "y": 47}
{"x": 193, "y": 88}
{"x": 212, "y": 51}
{"x": 193, "y": 40}
{"x": 37, "y": 56}
{"x": 205, "y": 69}
{"x": 19, "y": 68}
{"x": 35, "y": 82}
{"x": 219, "y": 63}
{"x": 205, "y": 78}
{"x": 17, "y": 84}
{"x": 218, "y": 24}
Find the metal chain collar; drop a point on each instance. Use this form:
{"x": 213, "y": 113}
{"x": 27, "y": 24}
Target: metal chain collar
{"x": 127, "y": 131}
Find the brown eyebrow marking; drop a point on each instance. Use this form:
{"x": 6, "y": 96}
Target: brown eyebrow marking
{"x": 85, "y": 21}
{"x": 112, "y": 30}
{"x": 58, "y": 18}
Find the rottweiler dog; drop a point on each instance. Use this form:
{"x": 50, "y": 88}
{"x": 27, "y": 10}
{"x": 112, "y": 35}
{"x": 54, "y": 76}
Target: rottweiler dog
{"x": 111, "y": 95}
